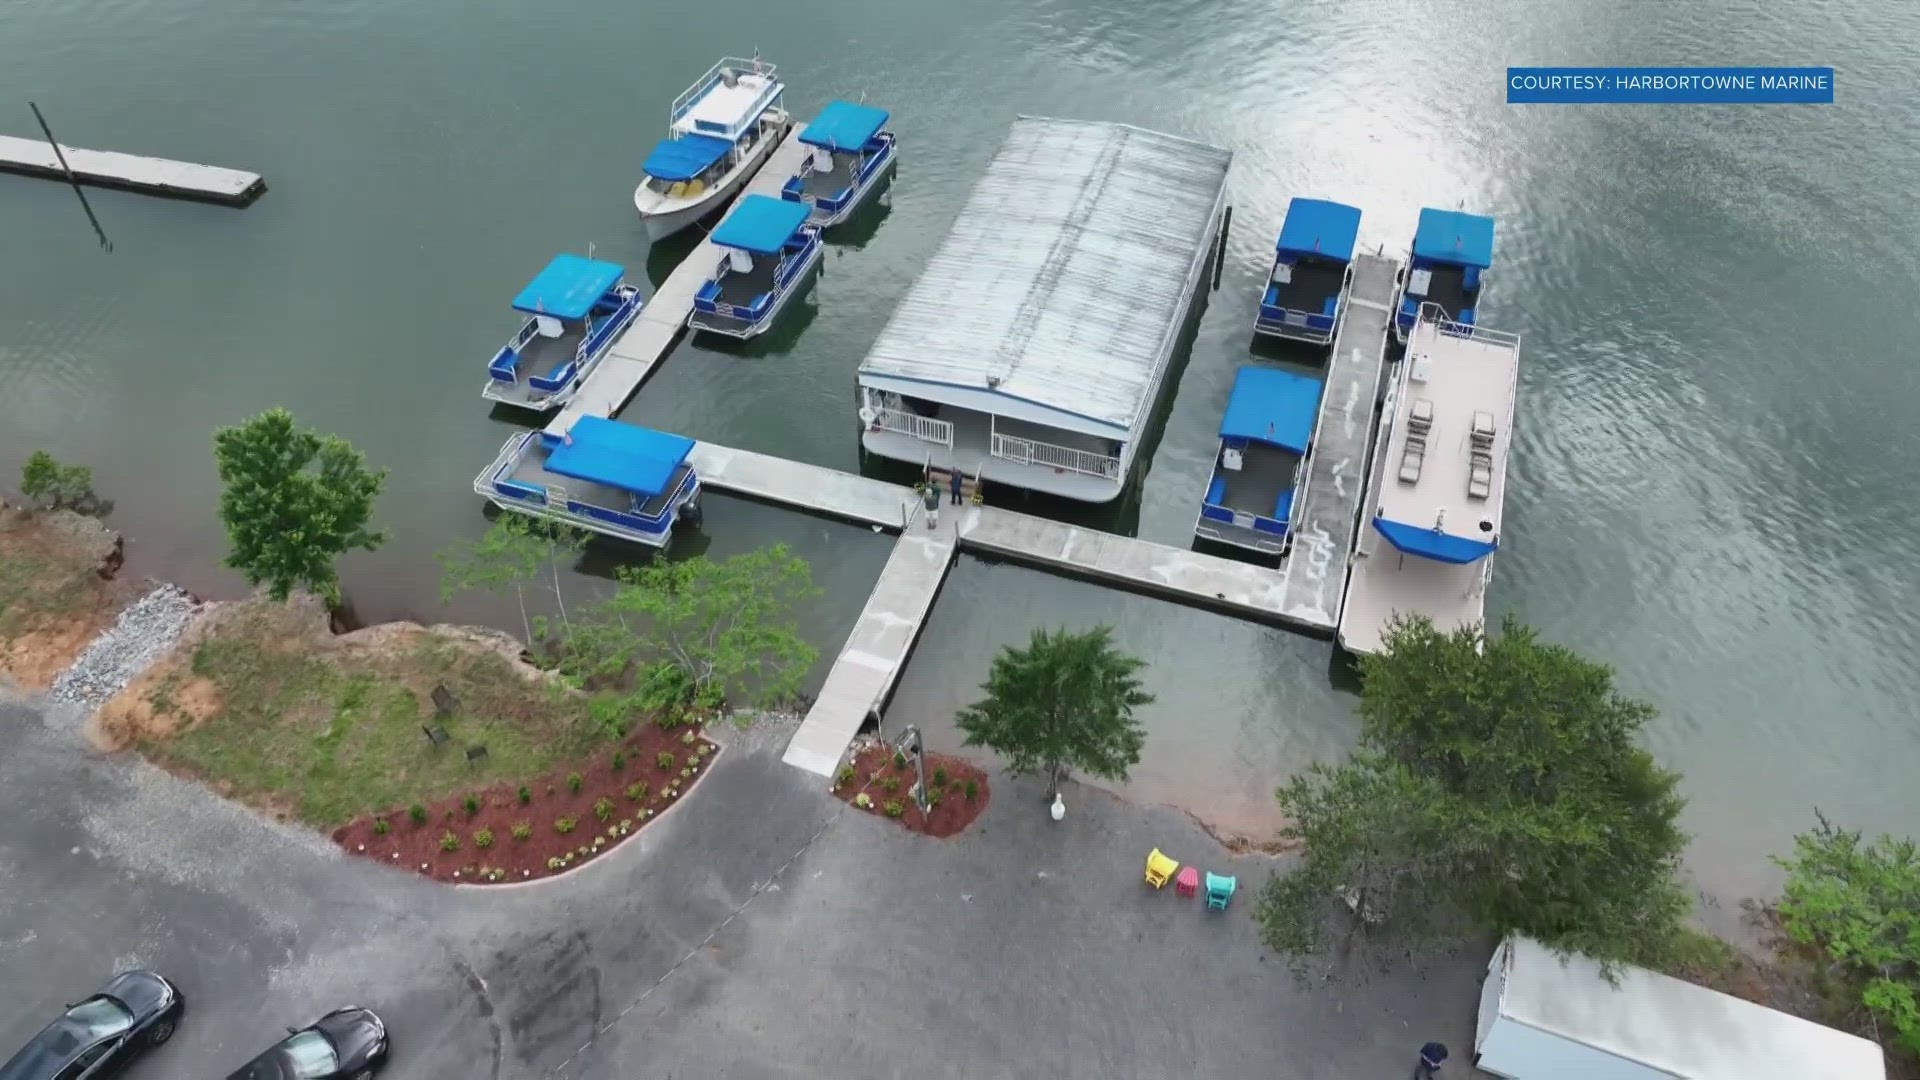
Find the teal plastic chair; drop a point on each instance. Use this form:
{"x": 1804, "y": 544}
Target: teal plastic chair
{"x": 1220, "y": 890}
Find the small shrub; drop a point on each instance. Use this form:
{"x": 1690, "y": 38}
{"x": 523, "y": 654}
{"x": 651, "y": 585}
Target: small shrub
{"x": 472, "y": 803}
{"x": 891, "y": 784}
{"x": 483, "y": 838}
{"x": 940, "y": 777}
{"x": 449, "y": 842}
{"x": 899, "y": 759}
{"x": 973, "y": 789}
{"x": 564, "y": 825}
{"x": 863, "y": 800}
{"x": 894, "y": 809}
{"x": 684, "y": 773}
{"x": 418, "y": 813}
{"x": 380, "y": 826}
{"x": 554, "y": 863}
{"x": 637, "y": 791}
{"x": 665, "y": 760}
{"x": 603, "y": 808}
{"x": 574, "y": 780}
{"x": 846, "y": 774}
{"x": 933, "y": 799}
{"x": 522, "y": 829}
{"x": 619, "y": 762}
{"x": 687, "y": 738}
{"x": 526, "y": 794}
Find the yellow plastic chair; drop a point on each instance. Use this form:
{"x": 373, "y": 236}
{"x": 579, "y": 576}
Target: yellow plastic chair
{"x": 1160, "y": 869}
{"x": 678, "y": 190}
{"x": 695, "y": 186}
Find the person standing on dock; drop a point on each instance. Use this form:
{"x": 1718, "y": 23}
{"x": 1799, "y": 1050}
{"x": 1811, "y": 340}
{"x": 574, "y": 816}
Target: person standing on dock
{"x": 956, "y": 480}
{"x": 932, "y": 500}
{"x": 1431, "y": 1055}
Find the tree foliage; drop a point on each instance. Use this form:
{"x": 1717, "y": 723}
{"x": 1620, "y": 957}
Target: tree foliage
{"x": 1859, "y": 904}
{"x": 511, "y": 554}
{"x": 1065, "y": 701}
{"x": 294, "y": 501}
{"x": 1497, "y": 789}
{"x": 699, "y": 632}
{"x": 50, "y": 485}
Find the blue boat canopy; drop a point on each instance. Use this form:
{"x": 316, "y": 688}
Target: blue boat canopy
{"x": 1430, "y": 543}
{"x": 568, "y": 287}
{"x": 761, "y": 224}
{"x": 843, "y": 125}
{"x": 1319, "y": 227}
{"x": 685, "y": 157}
{"x": 1448, "y": 236}
{"x": 624, "y": 456}
{"x": 1272, "y": 406}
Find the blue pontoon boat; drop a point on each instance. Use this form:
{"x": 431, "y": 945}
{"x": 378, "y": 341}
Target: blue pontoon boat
{"x": 1265, "y": 436}
{"x": 604, "y": 476}
{"x": 850, "y": 156}
{"x": 1451, "y": 253}
{"x": 770, "y": 249}
{"x": 1312, "y": 268}
{"x": 577, "y": 307}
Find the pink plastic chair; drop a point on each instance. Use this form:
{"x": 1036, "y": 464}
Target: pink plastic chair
{"x": 1188, "y": 883}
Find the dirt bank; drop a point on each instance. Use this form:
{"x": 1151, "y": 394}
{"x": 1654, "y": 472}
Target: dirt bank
{"x": 59, "y": 588}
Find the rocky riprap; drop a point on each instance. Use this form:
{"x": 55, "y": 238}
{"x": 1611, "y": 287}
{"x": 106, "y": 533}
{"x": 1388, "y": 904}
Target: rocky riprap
{"x": 143, "y": 633}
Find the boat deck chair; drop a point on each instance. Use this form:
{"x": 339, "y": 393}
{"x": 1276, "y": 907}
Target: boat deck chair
{"x": 1220, "y": 891}
{"x": 1159, "y": 868}
{"x": 1480, "y": 457}
{"x": 1414, "y": 454}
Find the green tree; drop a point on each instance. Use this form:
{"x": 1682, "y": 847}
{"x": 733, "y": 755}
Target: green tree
{"x": 1497, "y": 789}
{"x": 511, "y": 555}
{"x": 50, "y": 485}
{"x": 1859, "y": 904}
{"x": 699, "y": 632}
{"x": 1065, "y": 701}
{"x": 294, "y": 501}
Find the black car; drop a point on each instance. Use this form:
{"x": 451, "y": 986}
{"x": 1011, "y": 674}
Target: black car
{"x": 98, "y": 1036}
{"x": 345, "y": 1044}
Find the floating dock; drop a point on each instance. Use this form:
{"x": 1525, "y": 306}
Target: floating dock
{"x": 131, "y": 172}
{"x": 640, "y": 349}
{"x": 876, "y": 651}
{"x": 1314, "y": 575}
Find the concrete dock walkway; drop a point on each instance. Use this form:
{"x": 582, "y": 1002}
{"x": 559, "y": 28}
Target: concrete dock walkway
{"x": 1314, "y": 574}
{"x": 131, "y": 172}
{"x": 639, "y": 350}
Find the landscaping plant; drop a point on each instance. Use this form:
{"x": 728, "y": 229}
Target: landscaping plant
{"x": 894, "y": 809}
{"x": 418, "y": 813}
{"x": 483, "y": 838}
{"x": 449, "y": 842}
{"x": 472, "y": 803}
{"x": 293, "y": 501}
{"x": 526, "y": 795}
{"x": 1064, "y": 701}
{"x": 665, "y": 760}
{"x": 619, "y": 762}
{"x": 637, "y": 791}
{"x": 380, "y": 826}
{"x": 603, "y": 808}
{"x": 574, "y": 781}
{"x": 522, "y": 830}
{"x": 564, "y": 825}
{"x": 973, "y": 789}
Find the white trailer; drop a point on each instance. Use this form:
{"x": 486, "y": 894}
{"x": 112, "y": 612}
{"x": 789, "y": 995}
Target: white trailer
{"x": 1542, "y": 1018}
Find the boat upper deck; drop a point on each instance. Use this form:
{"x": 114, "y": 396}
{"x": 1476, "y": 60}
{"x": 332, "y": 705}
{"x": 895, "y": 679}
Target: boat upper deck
{"x": 1433, "y": 515}
{"x": 1059, "y": 292}
{"x": 727, "y": 100}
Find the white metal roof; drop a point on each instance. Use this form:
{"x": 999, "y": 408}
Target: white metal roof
{"x": 1677, "y": 1027}
{"x": 1064, "y": 278}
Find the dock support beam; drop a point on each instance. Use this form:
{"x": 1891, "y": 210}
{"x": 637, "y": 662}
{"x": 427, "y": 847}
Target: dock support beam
{"x": 1220, "y": 251}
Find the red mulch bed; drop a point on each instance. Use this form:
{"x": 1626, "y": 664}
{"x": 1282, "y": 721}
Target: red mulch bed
{"x": 418, "y": 847}
{"x": 874, "y": 768}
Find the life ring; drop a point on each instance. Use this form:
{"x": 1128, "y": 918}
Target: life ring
{"x": 868, "y": 416}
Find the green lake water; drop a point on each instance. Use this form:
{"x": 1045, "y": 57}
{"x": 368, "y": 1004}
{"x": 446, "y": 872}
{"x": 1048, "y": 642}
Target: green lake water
{"x": 1718, "y": 459}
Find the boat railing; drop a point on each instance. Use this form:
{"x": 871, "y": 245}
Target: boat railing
{"x": 1030, "y": 452}
{"x": 506, "y": 363}
{"x": 728, "y": 65}
{"x": 912, "y": 425}
{"x": 1443, "y": 323}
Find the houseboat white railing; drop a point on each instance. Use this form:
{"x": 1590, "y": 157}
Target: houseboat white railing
{"x": 1029, "y": 452}
{"x": 728, "y": 67}
{"x": 912, "y": 425}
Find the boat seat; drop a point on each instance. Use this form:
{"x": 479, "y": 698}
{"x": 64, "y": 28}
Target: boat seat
{"x": 1217, "y": 491}
{"x": 695, "y": 187}
{"x": 1482, "y": 431}
{"x": 1420, "y": 417}
{"x": 1331, "y": 306}
{"x": 678, "y": 190}
{"x": 1412, "y": 457}
{"x": 1471, "y": 280}
{"x": 1480, "y": 475}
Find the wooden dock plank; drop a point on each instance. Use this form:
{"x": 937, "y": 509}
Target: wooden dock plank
{"x": 132, "y": 172}
{"x": 1314, "y": 574}
{"x": 647, "y": 341}
{"x": 876, "y": 650}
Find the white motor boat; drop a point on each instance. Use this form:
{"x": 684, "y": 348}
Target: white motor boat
{"x": 720, "y": 131}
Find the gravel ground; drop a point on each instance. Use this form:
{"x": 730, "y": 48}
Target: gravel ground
{"x": 144, "y": 631}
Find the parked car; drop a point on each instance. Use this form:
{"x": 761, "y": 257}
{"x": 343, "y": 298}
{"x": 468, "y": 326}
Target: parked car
{"x": 345, "y": 1044}
{"x": 98, "y": 1036}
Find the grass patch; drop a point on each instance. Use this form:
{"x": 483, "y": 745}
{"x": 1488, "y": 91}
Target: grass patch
{"x": 38, "y": 588}
{"x": 330, "y": 736}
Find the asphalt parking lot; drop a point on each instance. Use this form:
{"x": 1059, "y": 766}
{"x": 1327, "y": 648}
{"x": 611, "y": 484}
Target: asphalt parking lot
{"x": 759, "y": 930}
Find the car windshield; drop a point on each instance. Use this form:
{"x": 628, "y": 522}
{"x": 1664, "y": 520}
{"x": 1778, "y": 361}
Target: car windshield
{"x": 309, "y": 1054}
{"x": 100, "y": 1017}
